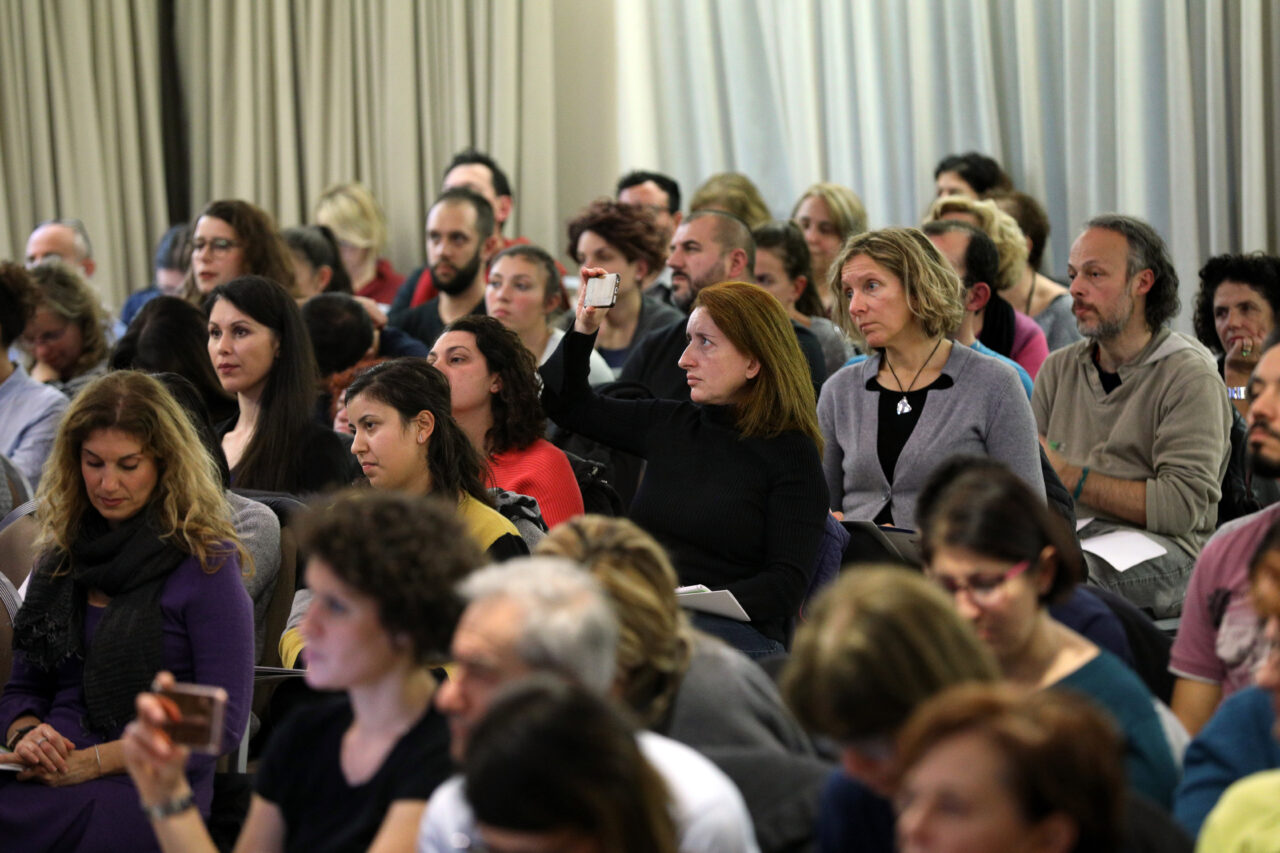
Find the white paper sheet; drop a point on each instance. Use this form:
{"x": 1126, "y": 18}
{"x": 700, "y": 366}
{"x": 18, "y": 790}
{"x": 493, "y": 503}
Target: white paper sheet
{"x": 720, "y": 602}
{"x": 1082, "y": 523}
{"x": 1123, "y": 549}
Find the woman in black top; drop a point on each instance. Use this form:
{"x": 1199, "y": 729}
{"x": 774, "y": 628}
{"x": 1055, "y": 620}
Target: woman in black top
{"x": 733, "y": 486}
{"x": 261, "y": 352}
{"x": 354, "y": 772}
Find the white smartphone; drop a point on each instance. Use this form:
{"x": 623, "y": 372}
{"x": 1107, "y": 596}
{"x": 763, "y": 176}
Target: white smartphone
{"x": 602, "y": 291}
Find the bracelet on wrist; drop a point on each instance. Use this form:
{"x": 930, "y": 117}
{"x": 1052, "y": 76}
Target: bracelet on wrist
{"x": 1084, "y": 475}
{"x": 1237, "y": 392}
{"x": 19, "y": 735}
{"x": 169, "y": 808}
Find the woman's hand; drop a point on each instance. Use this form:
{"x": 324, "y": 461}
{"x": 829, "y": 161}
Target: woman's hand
{"x": 81, "y": 766}
{"x": 1244, "y": 350}
{"x": 155, "y": 763}
{"x": 42, "y": 749}
{"x": 588, "y": 319}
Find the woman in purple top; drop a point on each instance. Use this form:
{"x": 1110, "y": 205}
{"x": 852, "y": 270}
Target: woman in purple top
{"x": 139, "y": 572}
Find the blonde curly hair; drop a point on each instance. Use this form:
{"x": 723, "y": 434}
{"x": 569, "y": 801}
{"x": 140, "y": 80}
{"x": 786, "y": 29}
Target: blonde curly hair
{"x": 654, "y": 641}
{"x": 187, "y": 504}
{"x": 1002, "y": 228}
{"x": 934, "y": 292}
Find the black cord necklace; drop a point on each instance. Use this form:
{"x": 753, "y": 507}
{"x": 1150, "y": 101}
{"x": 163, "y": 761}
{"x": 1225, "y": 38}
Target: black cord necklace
{"x": 903, "y": 406}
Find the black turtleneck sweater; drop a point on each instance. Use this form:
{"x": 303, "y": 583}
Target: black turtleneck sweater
{"x": 736, "y": 513}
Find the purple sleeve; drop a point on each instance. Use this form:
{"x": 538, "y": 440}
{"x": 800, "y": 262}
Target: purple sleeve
{"x": 29, "y": 691}
{"x": 217, "y": 617}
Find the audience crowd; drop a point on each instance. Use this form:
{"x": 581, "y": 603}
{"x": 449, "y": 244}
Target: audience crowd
{"x": 925, "y": 547}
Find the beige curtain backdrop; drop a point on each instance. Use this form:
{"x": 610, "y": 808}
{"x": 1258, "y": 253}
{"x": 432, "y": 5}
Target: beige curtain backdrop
{"x": 80, "y": 130}
{"x": 285, "y": 98}
{"x": 1165, "y": 109}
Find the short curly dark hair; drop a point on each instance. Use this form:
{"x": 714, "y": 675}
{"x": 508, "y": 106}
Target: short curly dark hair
{"x": 1258, "y": 270}
{"x": 18, "y": 300}
{"x": 518, "y": 419}
{"x": 406, "y": 553}
{"x": 629, "y": 229}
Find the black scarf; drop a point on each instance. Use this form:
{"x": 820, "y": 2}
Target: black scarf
{"x": 998, "y": 325}
{"x": 130, "y": 563}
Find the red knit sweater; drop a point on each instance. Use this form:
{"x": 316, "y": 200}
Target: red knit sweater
{"x": 543, "y": 472}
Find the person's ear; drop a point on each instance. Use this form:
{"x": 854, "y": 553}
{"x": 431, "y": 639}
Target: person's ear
{"x": 753, "y": 368}
{"x": 325, "y": 274}
{"x": 88, "y": 266}
{"x": 676, "y": 218}
{"x": 978, "y": 296}
{"x": 800, "y": 283}
{"x": 1145, "y": 279}
{"x": 1046, "y": 570}
{"x": 502, "y": 210}
{"x": 642, "y": 269}
{"x": 1057, "y": 833}
{"x": 737, "y": 264}
{"x": 425, "y": 425}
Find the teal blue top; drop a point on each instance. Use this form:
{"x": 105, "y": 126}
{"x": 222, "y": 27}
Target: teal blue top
{"x": 1149, "y": 761}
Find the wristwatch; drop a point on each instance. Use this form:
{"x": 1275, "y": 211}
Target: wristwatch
{"x": 177, "y": 805}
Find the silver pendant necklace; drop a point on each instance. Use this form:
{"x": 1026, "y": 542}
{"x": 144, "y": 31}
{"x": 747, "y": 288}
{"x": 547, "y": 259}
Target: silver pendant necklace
{"x": 903, "y": 406}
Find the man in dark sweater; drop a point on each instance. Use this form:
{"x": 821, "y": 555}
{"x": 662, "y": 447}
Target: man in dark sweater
{"x": 709, "y": 247}
{"x": 460, "y": 241}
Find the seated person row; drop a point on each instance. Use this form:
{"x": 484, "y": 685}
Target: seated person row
{"x": 1004, "y": 557}
{"x": 259, "y": 347}
{"x": 733, "y": 487}
{"x": 355, "y": 770}
{"x": 1134, "y": 418}
{"x": 30, "y": 411}
{"x": 1235, "y": 312}
{"x": 547, "y": 615}
{"x": 626, "y": 240}
{"x": 783, "y": 268}
{"x": 523, "y": 293}
{"x": 1035, "y": 294}
{"x": 67, "y": 338}
{"x": 407, "y": 442}
{"x": 1241, "y": 738}
{"x": 1004, "y": 329}
{"x": 888, "y": 421}
{"x": 827, "y": 215}
{"x": 1246, "y": 816}
{"x": 1219, "y": 643}
{"x": 709, "y": 247}
{"x": 233, "y": 238}
{"x": 139, "y": 571}
{"x": 494, "y": 397}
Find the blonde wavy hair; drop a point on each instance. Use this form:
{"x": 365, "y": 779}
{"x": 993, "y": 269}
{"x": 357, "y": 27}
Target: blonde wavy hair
{"x": 847, "y": 210}
{"x": 65, "y": 292}
{"x": 354, "y": 215}
{"x": 187, "y": 504}
{"x": 732, "y": 192}
{"x": 1002, "y": 228}
{"x": 934, "y": 292}
{"x": 654, "y": 642}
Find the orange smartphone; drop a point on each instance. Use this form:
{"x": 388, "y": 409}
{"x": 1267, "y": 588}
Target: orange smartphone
{"x": 195, "y": 713}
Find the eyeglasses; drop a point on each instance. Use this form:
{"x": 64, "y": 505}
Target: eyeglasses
{"x": 220, "y": 245}
{"x": 46, "y": 258}
{"x": 45, "y": 338}
{"x": 982, "y": 589}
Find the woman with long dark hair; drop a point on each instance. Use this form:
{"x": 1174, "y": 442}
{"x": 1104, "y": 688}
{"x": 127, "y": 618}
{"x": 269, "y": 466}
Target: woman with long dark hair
{"x": 260, "y": 350}
{"x": 493, "y": 385}
{"x": 406, "y": 440}
{"x": 168, "y": 336}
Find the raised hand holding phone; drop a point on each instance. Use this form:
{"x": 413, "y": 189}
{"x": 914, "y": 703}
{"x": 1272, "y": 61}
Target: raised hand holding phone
{"x": 590, "y": 316}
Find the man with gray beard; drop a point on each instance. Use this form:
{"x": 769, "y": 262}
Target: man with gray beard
{"x": 1134, "y": 418}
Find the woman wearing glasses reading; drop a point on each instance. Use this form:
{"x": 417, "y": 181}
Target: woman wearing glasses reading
{"x": 991, "y": 543}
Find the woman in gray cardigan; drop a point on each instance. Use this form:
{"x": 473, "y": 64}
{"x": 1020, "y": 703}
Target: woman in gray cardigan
{"x": 918, "y": 399}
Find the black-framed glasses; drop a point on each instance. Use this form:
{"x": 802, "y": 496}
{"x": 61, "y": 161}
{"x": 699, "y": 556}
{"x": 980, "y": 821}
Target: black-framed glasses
{"x": 219, "y": 245}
